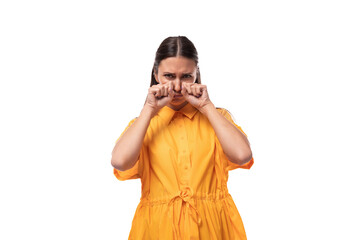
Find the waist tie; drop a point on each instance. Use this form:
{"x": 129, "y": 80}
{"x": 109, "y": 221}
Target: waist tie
{"x": 192, "y": 231}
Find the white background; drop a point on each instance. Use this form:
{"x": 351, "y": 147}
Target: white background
{"x": 74, "y": 73}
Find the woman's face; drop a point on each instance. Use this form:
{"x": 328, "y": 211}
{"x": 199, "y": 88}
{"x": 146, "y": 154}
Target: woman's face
{"x": 176, "y": 69}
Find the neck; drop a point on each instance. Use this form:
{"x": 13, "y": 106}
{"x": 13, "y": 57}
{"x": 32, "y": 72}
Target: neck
{"x": 176, "y": 107}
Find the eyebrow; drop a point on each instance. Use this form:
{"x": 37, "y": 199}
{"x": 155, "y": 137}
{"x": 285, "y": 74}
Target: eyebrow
{"x": 189, "y": 73}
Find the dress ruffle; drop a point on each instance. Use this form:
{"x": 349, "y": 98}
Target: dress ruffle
{"x": 183, "y": 217}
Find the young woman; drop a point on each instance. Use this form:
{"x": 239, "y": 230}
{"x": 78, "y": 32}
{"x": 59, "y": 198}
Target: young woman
{"x": 181, "y": 147}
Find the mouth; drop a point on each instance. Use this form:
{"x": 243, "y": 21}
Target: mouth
{"x": 178, "y": 96}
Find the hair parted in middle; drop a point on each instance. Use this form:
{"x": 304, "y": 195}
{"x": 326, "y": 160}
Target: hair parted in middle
{"x": 173, "y": 47}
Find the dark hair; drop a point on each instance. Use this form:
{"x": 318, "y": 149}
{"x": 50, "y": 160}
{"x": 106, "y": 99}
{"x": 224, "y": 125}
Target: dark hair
{"x": 172, "y": 47}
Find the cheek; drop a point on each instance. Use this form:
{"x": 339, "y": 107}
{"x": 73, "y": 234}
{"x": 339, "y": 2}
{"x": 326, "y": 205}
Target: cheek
{"x": 163, "y": 81}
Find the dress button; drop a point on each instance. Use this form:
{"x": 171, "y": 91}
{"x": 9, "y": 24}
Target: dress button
{"x": 180, "y": 125}
{"x": 184, "y": 151}
{"x": 182, "y": 138}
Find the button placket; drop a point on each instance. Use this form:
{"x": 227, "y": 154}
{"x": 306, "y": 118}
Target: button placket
{"x": 184, "y": 158}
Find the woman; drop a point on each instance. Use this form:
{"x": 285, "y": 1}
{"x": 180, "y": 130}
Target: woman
{"x": 182, "y": 147}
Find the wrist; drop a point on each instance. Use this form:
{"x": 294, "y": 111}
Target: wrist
{"x": 148, "y": 111}
{"x": 207, "y": 108}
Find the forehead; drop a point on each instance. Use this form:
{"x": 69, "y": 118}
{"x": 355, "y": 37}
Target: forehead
{"x": 177, "y": 64}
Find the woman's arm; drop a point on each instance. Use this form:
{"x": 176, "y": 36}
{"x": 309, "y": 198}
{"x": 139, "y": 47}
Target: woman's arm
{"x": 234, "y": 143}
{"x": 127, "y": 148}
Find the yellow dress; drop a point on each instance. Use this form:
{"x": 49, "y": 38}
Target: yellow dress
{"x": 184, "y": 173}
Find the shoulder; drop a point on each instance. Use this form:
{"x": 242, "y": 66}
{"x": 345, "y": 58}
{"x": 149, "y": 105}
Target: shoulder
{"x": 132, "y": 121}
{"x": 221, "y": 110}
{"x": 226, "y": 113}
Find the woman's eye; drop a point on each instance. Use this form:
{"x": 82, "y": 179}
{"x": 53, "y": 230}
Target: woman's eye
{"x": 168, "y": 75}
{"x": 187, "y": 76}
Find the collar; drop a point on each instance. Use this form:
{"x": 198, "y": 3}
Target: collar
{"x": 166, "y": 113}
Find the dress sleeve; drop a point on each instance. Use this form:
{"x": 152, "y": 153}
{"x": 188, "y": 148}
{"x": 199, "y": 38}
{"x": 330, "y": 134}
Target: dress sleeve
{"x": 228, "y": 164}
{"x": 135, "y": 171}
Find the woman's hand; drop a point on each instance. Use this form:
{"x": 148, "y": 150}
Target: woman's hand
{"x": 196, "y": 94}
{"x": 159, "y": 95}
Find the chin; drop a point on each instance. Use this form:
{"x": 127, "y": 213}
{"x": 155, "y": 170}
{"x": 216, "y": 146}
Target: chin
{"x": 177, "y": 102}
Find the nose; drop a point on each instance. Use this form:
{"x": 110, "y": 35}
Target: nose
{"x": 177, "y": 85}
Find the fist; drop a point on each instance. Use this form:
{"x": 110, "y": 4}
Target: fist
{"x": 160, "y": 95}
{"x": 196, "y": 94}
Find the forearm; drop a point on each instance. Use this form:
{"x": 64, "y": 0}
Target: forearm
{"x": 234, "y": 143}
{"x": 127, "y": 148}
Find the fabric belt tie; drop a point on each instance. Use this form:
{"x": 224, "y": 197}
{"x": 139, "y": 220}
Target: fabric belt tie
{"x": 185, "y": 194}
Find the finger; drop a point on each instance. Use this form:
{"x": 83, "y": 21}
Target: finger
{"x": 162, "y": 90}
{"x": 157, "y": 92}
{"x": 152, "y": 90}
{"x": 166, "y": 92}
{"x": 193, "y": 89}
{"x": 198, "y": 90}
{"x": 171, "y": 90}
{"x": 183, "y": 89}
{"x": 188, "y": 88}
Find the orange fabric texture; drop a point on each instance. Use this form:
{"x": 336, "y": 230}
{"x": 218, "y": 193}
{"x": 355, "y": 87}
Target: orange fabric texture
{"x": 184, "y": 174}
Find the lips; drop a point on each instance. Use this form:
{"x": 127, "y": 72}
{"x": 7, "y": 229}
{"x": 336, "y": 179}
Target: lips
{"x": 178, "y": 96}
